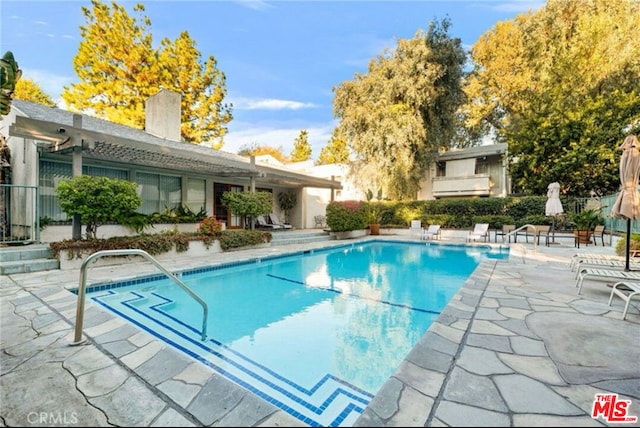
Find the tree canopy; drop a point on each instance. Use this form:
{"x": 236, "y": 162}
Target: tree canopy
{"x": 398, "y": 114}
{"x": 119, "y": 69}
{"x": 28, "y": 90}
{"x": 336, "y": 151}
{"x": 301, "y": 147}
{"x": 562, "y": 87}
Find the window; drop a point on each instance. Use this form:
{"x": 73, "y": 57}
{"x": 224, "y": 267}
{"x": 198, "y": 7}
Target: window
{"x": 51, "y": 173}
{"x": 441, "y": 169}
{"x": 482, "y": 165}
{"x": 195, "y": 194}
{"x": 158, "y": 192}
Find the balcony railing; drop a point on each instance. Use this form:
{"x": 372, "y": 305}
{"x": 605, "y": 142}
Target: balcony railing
{"x": 475, "y": 185}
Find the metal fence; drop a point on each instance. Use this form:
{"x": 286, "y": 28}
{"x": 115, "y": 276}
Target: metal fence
{"x": 612, "y": 224}
{"x": 19, "y": 219}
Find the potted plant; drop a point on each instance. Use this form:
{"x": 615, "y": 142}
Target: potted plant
{"x": 585, "y": 221}
{"x": 373, "y": 212}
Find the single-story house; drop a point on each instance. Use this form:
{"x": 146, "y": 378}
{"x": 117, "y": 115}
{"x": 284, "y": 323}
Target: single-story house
{"x": 49, "y": 144}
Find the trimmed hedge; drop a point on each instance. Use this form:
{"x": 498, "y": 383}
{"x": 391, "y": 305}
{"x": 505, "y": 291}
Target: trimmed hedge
{"x": 463, "y": 213}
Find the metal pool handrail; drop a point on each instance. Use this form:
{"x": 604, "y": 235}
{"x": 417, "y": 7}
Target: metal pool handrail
{"x": 83, "y": 283}
{"x": 515, "y": 231}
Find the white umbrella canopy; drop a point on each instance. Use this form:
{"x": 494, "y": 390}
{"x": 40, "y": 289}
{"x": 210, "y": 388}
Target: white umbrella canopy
{"x": 554, "y": 205}
{"x": 627, "y": 203}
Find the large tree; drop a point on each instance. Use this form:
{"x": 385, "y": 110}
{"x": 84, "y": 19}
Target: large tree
{"x": 336, "y": 151}
{"x": 398, "y": 114}
{"x": 28, "y": 90}
{"x": 119, "y": 69}
{"x": 562, "y": 87}
{"x": 301, "y": 147}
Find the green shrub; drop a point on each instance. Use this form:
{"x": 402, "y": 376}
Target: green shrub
{"x": 241, "y": 238}
{"x": 634, "y": 244}
{"x": 248, "y": 204}
{"x": 179, "y": 214}
{"x": 344, "y": 216}
{"x": 97, "y": 200}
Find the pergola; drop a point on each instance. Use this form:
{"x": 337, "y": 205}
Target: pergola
{"x": 84, "y": 137}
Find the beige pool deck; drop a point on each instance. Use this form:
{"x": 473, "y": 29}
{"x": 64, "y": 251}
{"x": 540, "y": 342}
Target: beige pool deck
{"x": 517, "y": 346}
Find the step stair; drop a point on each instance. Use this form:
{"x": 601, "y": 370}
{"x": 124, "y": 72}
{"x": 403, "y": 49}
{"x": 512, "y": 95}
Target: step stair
{"x": 26, "y": 258}
{"x": 288, "y": 237}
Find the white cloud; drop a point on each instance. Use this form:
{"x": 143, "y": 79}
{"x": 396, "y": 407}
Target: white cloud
{"x": 519, "y": 6}
{"x": 255, "y": 4}
{"x": 269, "y": 104}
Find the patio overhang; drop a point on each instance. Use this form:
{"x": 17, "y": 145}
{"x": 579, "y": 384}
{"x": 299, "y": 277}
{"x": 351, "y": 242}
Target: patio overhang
{"x": 158, "y": 153}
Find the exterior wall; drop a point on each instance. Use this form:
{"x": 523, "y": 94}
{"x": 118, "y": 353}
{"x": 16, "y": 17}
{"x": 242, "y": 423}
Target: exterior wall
{"x": 316, "y": 200}
{"x": 22, "y": 215}
{"x": 56, "y": 233}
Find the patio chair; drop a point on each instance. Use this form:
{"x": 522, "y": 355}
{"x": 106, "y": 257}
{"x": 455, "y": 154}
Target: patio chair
{"x": 621, "y": 289}
{"x": 319, "y": 220}
{"x": 263, "y": 224}
{"x": 276, "y": 221}
{"x": 542, "y": 230}
{"x": 480, "y": 231}
{"x": 598, "y": 232}
{"x": 416, "y": 228}
{"x": 506, "y": 229}
{"x": 432, "y": 232}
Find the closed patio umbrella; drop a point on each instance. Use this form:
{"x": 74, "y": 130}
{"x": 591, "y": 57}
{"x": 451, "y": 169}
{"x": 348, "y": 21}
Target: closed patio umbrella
{"x": 554, "y": 205}
{"x": 627, "y": 203}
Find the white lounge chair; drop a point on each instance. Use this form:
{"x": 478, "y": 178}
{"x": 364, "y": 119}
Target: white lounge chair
{"x": 578, "y": 257}
{"x": 432, "y": 232}
{"x": 480, "y": 231}
{"x": 416, "y": 228}
{"x": 275, "y": 220}
{"x": 626, "y": 291}
{"x": 605, "y": 264}
{"x": 605, "y": 274}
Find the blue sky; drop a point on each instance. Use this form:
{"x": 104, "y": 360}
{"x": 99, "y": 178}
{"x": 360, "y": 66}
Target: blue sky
{"x": 281, "y": 59}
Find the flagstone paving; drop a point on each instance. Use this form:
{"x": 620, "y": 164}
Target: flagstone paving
{"x": 517, "y": 346}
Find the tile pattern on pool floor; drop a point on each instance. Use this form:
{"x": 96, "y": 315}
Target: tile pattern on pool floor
{"x": 329, "y": 402}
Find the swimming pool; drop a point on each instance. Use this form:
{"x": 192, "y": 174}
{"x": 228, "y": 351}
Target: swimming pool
{"x": 316, "y": 334}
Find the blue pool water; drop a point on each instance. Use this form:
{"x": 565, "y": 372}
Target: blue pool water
{"x": 316, "y": 334}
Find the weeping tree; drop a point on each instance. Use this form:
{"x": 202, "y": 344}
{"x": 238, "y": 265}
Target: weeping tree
{"x": 397, "y": 115}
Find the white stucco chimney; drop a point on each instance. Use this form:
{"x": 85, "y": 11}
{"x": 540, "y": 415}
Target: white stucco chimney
{"x": 162, "y": 115}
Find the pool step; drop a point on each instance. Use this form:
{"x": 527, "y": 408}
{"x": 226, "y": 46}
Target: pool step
{"x": 27, "y": 258}
{"x": 287, "y": 237}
